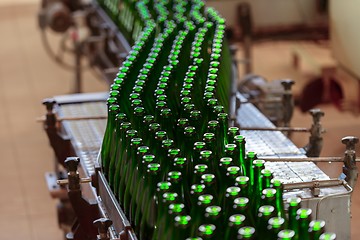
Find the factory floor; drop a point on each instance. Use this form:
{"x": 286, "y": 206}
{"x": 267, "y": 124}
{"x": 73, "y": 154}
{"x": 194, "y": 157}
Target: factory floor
{"x": 28, "y": 75}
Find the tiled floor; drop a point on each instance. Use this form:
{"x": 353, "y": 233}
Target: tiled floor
{"x": 27, "y": 75}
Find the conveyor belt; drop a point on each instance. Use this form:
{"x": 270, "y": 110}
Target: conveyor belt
{"x": 86, "y": 134}
{"x": 275, "y": 144}
{"x": 86, "y": 137}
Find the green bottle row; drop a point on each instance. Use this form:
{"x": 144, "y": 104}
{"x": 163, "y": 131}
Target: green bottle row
{"x": 175, "y": 166}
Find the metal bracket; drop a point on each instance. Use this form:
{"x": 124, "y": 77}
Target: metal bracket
{"x": 287, "y": 101}
{"x": 350, "y": 170}
{"x": 314, "y": 147}
{"x": 58, "y": 141}
{"x": 85, "y": 211}
{"x": 103, "y": 225}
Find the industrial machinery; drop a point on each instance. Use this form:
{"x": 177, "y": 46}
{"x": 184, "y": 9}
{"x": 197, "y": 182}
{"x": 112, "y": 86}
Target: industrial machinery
{"x": 75, "y": 125}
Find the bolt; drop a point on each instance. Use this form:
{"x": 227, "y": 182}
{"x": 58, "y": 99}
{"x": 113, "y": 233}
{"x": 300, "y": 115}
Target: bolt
{"x": 287, "y": 84}
{"x": 49, "y": 103}
{"x": 72, "y": 163}
{"x": 350, "y": 142}
{"x": 316, "y": 114}
{"x": 103, "y": 225}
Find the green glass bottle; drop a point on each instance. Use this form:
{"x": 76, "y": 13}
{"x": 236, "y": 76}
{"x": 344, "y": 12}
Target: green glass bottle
{"x": 265, "y": 212}
{"x": 198, "y": 147}
{"x": 328, "y": 236}
{"x": 207, "y": 231}
{"x": 294, "y": 206}
{"x": 156, "y": 143}
{"x": 267, "y": 177}
{"x": 247, "y": 233}
{"x": 214, "y": 215}
{"x": 181, "y": 164}
{"x": 116, "y": 149}
{"x": 232, "y": 132}
{"x": 145, "y": 126}
{"x": 121, "y": 162}
{"x": 143, "y": 163}
{"x": 209, "y": 139}
{"x": 213, "y": 127}
{"x": 138, "y": 117}
{"x": 242, "y": 206}
{"x": 286, "y": 234}
{"x": 230, "y": 150}
{"x": 136, "y": 184}
{"x": 209, "y": 180}
{"x": 195, "y": 120}
{"x": 206, "y": 157}
{"x": 166, "y": 145}
{"x": 223, "y": 120}
{"x": 176, "y": 180}
{"x": 181, "y": 124}
{"x": 108, "y": 138}
{"x": 168, "y": 226}
{"x": 231, "y": 194}
{"x": 235, "y": 222}
{"x": 197, "y": 211}
{"x": 199, "y": 170}
{"x": 125, "y": 172}
{"x": 172, "y": 153}
{"x": 304, "y": 219}
{"x": 188, "y": 141}
{"x": 239, "y": 140}
{"x": 232, "y": 173}
{"x": 221, "y": 170}
{"x": 196, "y": 190}
{"x": 268, "y": 197}
{"x": 131, "y": 175}
{"x": 162, "y": 188}
{"x": 120, "y": 118}
{"x": 167, "y": 121}
{"x": 279, "y": 187}
{"x": 250, "y": 157}
{"x": 275, "y": 225}
{"x": 182, "y": 227}
{"x": 149, "y": 204}
{"x": 316, "y": 228}
{"x": 244, "y": 183}
{"x": 258, "y": 165}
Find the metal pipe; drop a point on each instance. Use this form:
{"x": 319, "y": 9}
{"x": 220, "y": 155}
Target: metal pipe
{"x": 313, "y": 184}
{"x": 272, "y": 100}
{"x": 308, "y": 159}
{"x": 43, "y": 119}
{"x": 289, "y": 129}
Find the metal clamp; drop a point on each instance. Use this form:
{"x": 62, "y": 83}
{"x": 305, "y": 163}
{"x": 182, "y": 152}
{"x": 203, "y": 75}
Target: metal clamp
{"x": 314, "y": 185}
{"x": 59, "y": 141}
{"x": 350, "y": 170}
{"x": 287, "y": 101}
{"x": 103, "y": 225}
{"x": 313, "y": 148}
{"x": 74, "y": 179}
{"x": 50, "y": 117}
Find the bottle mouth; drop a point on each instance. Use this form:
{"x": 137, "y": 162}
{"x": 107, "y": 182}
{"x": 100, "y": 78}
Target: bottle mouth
{"x": 247, "y": 231}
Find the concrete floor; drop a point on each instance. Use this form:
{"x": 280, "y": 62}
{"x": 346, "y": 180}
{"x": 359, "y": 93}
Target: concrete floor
{"x": 27, "y": 75}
